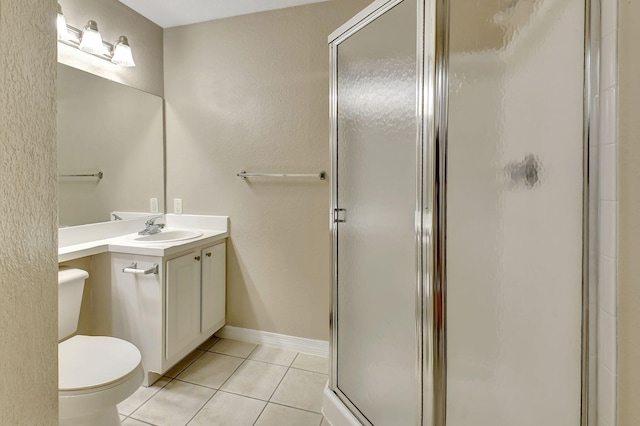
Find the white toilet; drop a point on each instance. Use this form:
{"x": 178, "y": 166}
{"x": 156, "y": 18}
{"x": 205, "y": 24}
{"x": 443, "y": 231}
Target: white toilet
{"x": 95, "y": 373}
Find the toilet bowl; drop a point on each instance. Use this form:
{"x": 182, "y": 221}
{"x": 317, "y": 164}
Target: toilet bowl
{"x": 95, "y": 373}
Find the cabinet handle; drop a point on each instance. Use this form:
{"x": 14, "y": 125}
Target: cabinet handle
{"x": 197, "y": 258}
{"x": 209, "y": 254}
{"x": 133, "y": 269}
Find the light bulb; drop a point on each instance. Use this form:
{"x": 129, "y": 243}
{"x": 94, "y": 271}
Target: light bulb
{"x": 63, "y": 34}
{"x": 122, "y": 54}
{"x": 91, "y": 40}
{"x": 61, "y": 25}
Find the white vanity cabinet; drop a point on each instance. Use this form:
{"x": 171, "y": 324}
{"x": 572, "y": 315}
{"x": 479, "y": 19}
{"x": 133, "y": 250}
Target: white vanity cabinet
{"x": 183, "y": 305}
{"x": 166, "y": 315}
{"x": 195, "y": 305}
{"x": 214, "y": 290}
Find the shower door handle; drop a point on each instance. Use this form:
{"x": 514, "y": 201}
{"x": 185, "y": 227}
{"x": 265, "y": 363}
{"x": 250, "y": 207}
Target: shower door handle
{"x": 339, "y": 215}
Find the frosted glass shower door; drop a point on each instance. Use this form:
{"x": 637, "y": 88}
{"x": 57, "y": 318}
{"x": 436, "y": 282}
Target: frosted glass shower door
{"x": 515, "y": 213}
{"x": 375, "y": 162}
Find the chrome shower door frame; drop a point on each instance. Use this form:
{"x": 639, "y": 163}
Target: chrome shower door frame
{"x": 425, "y": 105}
{"x": 435, "y": 294}
{"x": 591, "y": 118}
{"x": 430, "y": 223}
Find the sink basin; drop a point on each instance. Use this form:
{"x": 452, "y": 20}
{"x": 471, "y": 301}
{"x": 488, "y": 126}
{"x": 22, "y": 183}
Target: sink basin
{"x": 166, "y": 236}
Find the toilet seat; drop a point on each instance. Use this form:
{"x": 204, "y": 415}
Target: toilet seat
{"x": 89, "y": 362}
{"x": 95, "y": 374}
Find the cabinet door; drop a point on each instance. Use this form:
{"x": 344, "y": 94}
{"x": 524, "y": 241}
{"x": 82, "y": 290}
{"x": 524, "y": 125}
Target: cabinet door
{"x": 129, "y": 306}
{"x": 213, "y": 288}
{"x": 182, "y": 304}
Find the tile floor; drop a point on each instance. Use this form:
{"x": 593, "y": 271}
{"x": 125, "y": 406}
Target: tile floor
{"x": 230, "y": 383}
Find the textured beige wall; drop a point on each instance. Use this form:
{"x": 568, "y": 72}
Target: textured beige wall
{"x": 28, "y": 225}
{"x": 115, "y": 19}
{"x": 629, "y": 223}
{"x": 251, "y": 93}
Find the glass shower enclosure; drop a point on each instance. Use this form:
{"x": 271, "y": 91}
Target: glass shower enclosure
{"x": 459, "y": 218}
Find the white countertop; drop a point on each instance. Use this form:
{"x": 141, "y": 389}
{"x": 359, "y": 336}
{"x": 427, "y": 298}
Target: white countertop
{"x": 120, "y": 238}
{"x": 124, "y": 245}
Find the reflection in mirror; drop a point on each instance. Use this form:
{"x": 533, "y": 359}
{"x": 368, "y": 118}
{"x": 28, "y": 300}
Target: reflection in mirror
{"x": 106, "y": 127}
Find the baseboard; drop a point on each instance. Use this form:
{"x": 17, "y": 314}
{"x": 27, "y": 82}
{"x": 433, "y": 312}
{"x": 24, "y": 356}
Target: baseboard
{"x": 300, "y": 344}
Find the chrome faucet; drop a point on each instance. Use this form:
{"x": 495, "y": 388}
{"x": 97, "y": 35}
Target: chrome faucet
{"x": 152, "y": 227}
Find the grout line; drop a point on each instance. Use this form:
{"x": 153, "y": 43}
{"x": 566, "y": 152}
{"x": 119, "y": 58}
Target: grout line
{"x": 209, "y": 387}
{"x": 148, "y": 399}
{"x": 221, "y": 353}
{"x": 214, "y": 343}
{"x": 141, "y": 421}
{"x": 175, "y": 378}
{"x": 274, "y": 363}
{"x": 254, "y": 349}
{"x": 283, "y": 376}
{"x": 219, "y": 389}
{"x": 295, "y": 408}
{"x": 200, "y": 409}
{"x": 221, "y": 385}
{"x": 309, "y": 371}
{"x": 259, "y": 415}
{"x": 171, "y": 379}
{"x": 196, "y": 384}
{"x": 275, "y": 389}
{"x": 152, "y": 395}
{"x": 244, "y": 396}
{"x": 188, "y": 365}
{"x": 267, "y": 403}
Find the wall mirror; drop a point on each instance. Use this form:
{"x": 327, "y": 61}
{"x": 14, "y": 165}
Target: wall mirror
{"x": 110, "y": 148}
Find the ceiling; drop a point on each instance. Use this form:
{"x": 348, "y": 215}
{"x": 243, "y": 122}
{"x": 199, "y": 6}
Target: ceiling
{"x": 171, "y": 13}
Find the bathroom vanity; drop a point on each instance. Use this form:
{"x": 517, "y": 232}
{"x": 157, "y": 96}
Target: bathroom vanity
{"x": 165, "y": 297}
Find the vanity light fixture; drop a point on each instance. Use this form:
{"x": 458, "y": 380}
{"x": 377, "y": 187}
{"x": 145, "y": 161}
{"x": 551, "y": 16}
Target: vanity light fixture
{"x": 122, "y": 53}
{"x": 90, "y": 41}
{"x": 63, "y": 34}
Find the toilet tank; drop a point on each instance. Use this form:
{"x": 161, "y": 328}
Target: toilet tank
{"x": 70, "y": 288}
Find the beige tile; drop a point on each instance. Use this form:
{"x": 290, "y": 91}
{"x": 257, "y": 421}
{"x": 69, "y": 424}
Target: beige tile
{"x": 175, "y": 404}
{"x": 301, "y": 389}
{"x": 277, "y": 415}
{"x": 177, "y": 369}
{"x": 273, "y": 355}
{"x": 233, "y": 348}
{"x": 207, "y": 345}
{"x": 141, "y": 396}
{"x": 210, "y": 370}
{"x": 325, "y": 422}
{"x": 255, "y": 379}
{"x": 317, "y": 364}
{"x": 226, "y": 409}
{"x": 133, "y": 422}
